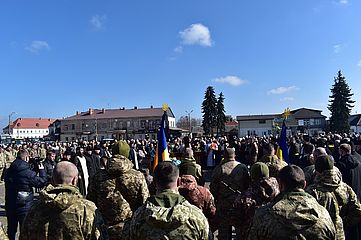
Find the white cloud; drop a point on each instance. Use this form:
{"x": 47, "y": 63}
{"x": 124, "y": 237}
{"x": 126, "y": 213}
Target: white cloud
{"x": 344, "y": 2}
{"x": 98, "y": 21}
{"x": 287, "y": 99}
{"x": 196, "y": 34}
{"x": 359, "y": 63}
{"x": 178, "y": 49}
{"x": 337, "y": 48}
{"x": 36, "y": 46}
{"x": 282, "y": 90}
{"x": 231, "y": 80}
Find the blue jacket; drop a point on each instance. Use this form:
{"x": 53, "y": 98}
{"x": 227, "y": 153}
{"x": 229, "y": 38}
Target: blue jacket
{"x": 20, "y": 178}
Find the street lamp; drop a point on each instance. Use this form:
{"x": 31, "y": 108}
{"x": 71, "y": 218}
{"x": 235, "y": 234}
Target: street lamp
{"x": 10, "y": 121}
{"x": 189, "y": 119}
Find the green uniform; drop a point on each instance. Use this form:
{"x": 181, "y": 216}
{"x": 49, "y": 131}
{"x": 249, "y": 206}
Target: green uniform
{"x": 167, "y": 215}
{"x": 236, "y": 176}
{"x": 129, "y": 182}
{"x": 111, "y": 203}
{"x": 338, "y": 198}
{"x": 292, "y": 215}
{"x": 62, "y": 213}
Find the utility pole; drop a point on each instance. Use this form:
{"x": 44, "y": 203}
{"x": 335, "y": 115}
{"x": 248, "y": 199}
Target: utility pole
{"x": 10, "y": 121}
{"x": 189, "y": 119}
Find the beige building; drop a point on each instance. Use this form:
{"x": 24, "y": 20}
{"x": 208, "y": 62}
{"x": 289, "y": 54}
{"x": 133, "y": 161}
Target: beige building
{"x": 114, "y": 123}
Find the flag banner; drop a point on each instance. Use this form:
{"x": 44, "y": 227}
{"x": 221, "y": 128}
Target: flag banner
{"x": 282, "y": 150}
{"x": 161, "y": 153}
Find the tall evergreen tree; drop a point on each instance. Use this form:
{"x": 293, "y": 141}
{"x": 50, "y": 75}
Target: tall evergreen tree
{"x": 209, "y": 110}
{"x": 221, "y": 116}
{"x": 340, "y": 105}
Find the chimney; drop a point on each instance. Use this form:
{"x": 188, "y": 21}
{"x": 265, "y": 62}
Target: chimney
{"x": 103, "y": 110}
{"x": 77, "y": 113}
{"x": 135, "y": 107}
{"x": 91, "y": 111}
{"x": 151, "y": 106}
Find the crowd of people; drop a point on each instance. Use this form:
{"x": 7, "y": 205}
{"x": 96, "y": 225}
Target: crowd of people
{"x": 108, "y": 190}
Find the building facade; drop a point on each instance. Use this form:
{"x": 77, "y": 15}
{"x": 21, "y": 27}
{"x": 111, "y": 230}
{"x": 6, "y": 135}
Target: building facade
{"x": 29, "y": 128}
{"x": 355, "y": 123}
{"x": 121, "y": 123}
{"x": 302, "y": 120}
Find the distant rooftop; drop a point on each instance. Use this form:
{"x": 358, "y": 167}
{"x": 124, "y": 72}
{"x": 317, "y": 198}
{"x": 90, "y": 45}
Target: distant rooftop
{"x": 119, "y": 113}
{"x": 31, "y": 123}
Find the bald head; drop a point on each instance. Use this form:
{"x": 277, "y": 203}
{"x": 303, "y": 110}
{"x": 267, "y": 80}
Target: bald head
{"x": 229, "y": 154}
{"x": 65, "y": 173}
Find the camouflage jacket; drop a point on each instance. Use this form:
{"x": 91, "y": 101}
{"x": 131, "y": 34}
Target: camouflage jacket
{"x": 62, "y": 213}
{"x": 198, "y": 196}
{"x": 129, "y": 182}
{"x": 274, "y": 164}
{"x": 9, "y": 158}
{"x": 260, "y": 193}
{"x": 292, "y": 215}
{"x": 310, "y": 174}
{"x": 2, "y": 160}
{"x": 114, "y": 208}
{"x": 3, "y": 235}
{"x": 338, "y": 198}
{"x": 235, "y": 175}
{"x": 167, "y": 215}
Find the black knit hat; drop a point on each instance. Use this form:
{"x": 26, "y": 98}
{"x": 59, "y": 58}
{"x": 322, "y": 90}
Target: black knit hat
{"x": 323, "y": 162}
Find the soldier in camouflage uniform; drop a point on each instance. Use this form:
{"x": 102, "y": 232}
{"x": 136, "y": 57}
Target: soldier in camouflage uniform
{"x": 271, "y": 160}
{"x": 263, "y": 189}
{"x": 167, "y": 215}
{"x": 189, "y": 166}
{"x": 227, "y": 177}
{"x": 198, "y": 196}
{"x": 293, "y": 214}
{"x": 62, "y": 212}
{"x": 129, "y": 182}
{"x": 2, "y": 163}
{"x": 336, "y": 196}
{"x": 10, "y": 155}
{"x": 114, "y": 208}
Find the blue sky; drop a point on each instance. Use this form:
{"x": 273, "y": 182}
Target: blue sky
{"x": 59, "y": 57}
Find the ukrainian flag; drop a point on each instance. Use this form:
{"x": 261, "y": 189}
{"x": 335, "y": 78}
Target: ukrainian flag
{"x": 282, "y": 149}
{"x": 162, "y": 150}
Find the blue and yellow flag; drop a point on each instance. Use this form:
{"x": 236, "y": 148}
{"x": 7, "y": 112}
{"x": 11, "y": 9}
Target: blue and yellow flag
{"x": 282, "y": 149}
{"x": 162, "y": 150}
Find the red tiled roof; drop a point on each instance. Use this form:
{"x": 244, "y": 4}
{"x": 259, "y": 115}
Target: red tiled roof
{"x": 37, "y": 123}
{"x": 233, "y": 123}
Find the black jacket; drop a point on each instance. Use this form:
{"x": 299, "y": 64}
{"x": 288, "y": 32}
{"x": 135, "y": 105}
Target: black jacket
{"x": 350, "y": 169}
{"x": 20, "y": 178}
{"x": 49, "y": 166}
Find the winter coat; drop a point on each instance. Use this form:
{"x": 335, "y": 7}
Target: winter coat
{"x": 19, "y": 183}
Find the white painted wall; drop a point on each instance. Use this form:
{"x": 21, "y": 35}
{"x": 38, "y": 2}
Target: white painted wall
{"x": 21, "y": 133}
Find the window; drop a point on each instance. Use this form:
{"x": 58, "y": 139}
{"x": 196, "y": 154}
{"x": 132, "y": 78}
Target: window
{"x": 318, "y": 121}
{"x": 66, "y": 139}
{"x": 66, "y": 128}
{"x": 128, "y": 124}
{"x": 72, "y": 126}
{"x": 262, "y": 121}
